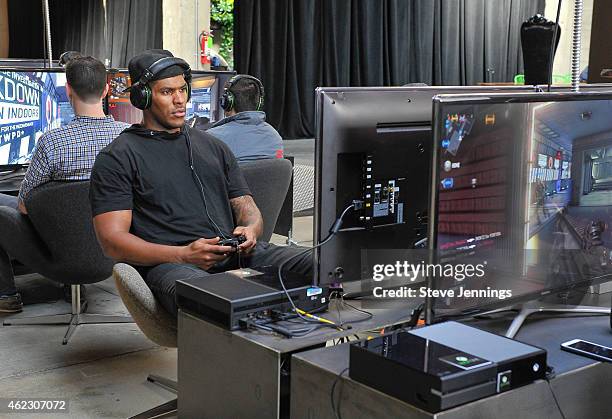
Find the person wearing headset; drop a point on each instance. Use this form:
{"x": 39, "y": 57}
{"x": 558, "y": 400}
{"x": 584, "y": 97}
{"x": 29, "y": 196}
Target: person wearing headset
{"x": 62, "y": 154}
{"x": 164, "y": 194}
{"x": 244, "y": 129}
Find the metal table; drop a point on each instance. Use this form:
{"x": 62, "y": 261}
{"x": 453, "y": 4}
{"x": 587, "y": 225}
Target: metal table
{"x": 581, "y": 386}
{"x": 245, "y": 374}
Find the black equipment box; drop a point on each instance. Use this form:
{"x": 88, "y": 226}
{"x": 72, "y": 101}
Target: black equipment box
{"x": 226, "y": 298}
{"x": 444, "y": 365}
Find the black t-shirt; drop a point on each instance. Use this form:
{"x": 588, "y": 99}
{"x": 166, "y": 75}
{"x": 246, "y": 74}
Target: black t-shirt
{"x": 149, "y": 173}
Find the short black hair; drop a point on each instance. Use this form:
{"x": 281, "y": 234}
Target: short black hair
{"x": 246, "y": 95}
{"x": 87, "y": 78}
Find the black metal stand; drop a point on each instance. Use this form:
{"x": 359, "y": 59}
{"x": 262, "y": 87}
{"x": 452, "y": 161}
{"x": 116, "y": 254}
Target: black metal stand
{"x": 73, "y": 319}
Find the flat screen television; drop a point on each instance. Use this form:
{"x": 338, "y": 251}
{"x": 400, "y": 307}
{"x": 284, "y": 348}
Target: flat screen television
{"x": 523, "y": 190}
{"x": 32, "y": 101}
{"x": 373, "y": 144}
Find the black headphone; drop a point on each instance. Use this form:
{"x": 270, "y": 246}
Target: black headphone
{"x": 228, "y": 98}
{"x": 68, "y": 56}
{"x": 140, "y": 92}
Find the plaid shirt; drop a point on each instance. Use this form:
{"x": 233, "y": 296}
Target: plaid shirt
{"x": 69, "y": 152}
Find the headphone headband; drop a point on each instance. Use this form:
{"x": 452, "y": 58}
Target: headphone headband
{"x": 160, "y": 65}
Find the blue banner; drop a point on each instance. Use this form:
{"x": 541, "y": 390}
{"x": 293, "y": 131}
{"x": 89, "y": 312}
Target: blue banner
{"x": 31, "y": 103}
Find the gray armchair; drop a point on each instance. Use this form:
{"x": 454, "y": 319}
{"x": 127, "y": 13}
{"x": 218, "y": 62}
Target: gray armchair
{"x": 155, "y": 323}
{"x": 60, "y": 244}
{"x": 269, "y": 181}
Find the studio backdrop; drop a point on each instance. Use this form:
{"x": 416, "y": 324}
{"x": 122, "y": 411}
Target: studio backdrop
{"x": 293, "y": 46}
{"x": 117, "y": 32}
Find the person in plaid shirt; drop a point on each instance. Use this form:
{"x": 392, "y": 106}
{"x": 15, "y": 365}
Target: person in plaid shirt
{"x": 66, "y": 153}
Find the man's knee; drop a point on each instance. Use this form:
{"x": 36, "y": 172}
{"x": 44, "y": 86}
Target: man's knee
{"x": 161, "y": 279}
{"x": 298, "y": 259}
{"x": 165, "y": 275}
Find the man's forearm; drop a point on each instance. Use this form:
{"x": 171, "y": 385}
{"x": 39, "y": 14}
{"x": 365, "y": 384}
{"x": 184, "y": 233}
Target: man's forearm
{"x": 126, "y": 247}
{"x": 247, "y": 214}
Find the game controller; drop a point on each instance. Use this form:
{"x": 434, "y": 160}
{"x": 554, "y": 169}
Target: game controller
{"x": 232, "y": 241}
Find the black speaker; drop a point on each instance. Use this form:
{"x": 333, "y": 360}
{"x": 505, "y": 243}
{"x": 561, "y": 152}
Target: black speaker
{"x": 536, "y": 41}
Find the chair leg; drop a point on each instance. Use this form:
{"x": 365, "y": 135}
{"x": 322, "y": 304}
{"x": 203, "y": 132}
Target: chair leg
{"x": 159, "y": 411}
{"x": 71, "y": 329}
{"x": 74, "y": 319}
{"x": 40, "y": 320}
{"x": 168, "y": 384}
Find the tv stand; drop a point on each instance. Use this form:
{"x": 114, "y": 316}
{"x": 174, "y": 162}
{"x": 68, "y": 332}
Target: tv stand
{"x": 527, "y": 309}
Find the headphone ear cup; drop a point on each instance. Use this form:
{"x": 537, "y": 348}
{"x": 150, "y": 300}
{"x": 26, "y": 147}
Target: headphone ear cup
{"x": 136, "y": 97}
{"x": 226, "y": 101}
{"x": 140, "y": 97}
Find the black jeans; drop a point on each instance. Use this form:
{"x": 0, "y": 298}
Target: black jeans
{"x": 7, "y": 283}
{"x": 20, "y": 241}
{"x": 8, "y": 201}
{"x": 162, "y": 278}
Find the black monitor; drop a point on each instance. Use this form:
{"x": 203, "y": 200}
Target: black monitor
{"x": 32, "y": 101}
{"x": 523, "y": 193}
{"x": 207, "y": 88}
{"x": 373, "y": 144}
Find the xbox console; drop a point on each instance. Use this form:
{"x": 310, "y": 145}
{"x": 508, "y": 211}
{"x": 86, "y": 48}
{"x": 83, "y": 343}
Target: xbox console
{"x": 227, "y": 298}
{"x": 444, "y": 365}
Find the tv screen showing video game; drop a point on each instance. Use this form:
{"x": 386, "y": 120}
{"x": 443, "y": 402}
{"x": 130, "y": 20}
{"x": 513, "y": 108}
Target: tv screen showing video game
{"x": 524, "y": 194}
{"x": 31, "y": 103}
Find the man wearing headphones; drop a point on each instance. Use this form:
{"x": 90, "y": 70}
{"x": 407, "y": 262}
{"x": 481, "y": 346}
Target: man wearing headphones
{"x": 62, "y": 154}
{"x": 163, "y": 194}
{"x": 244, "y": 129}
